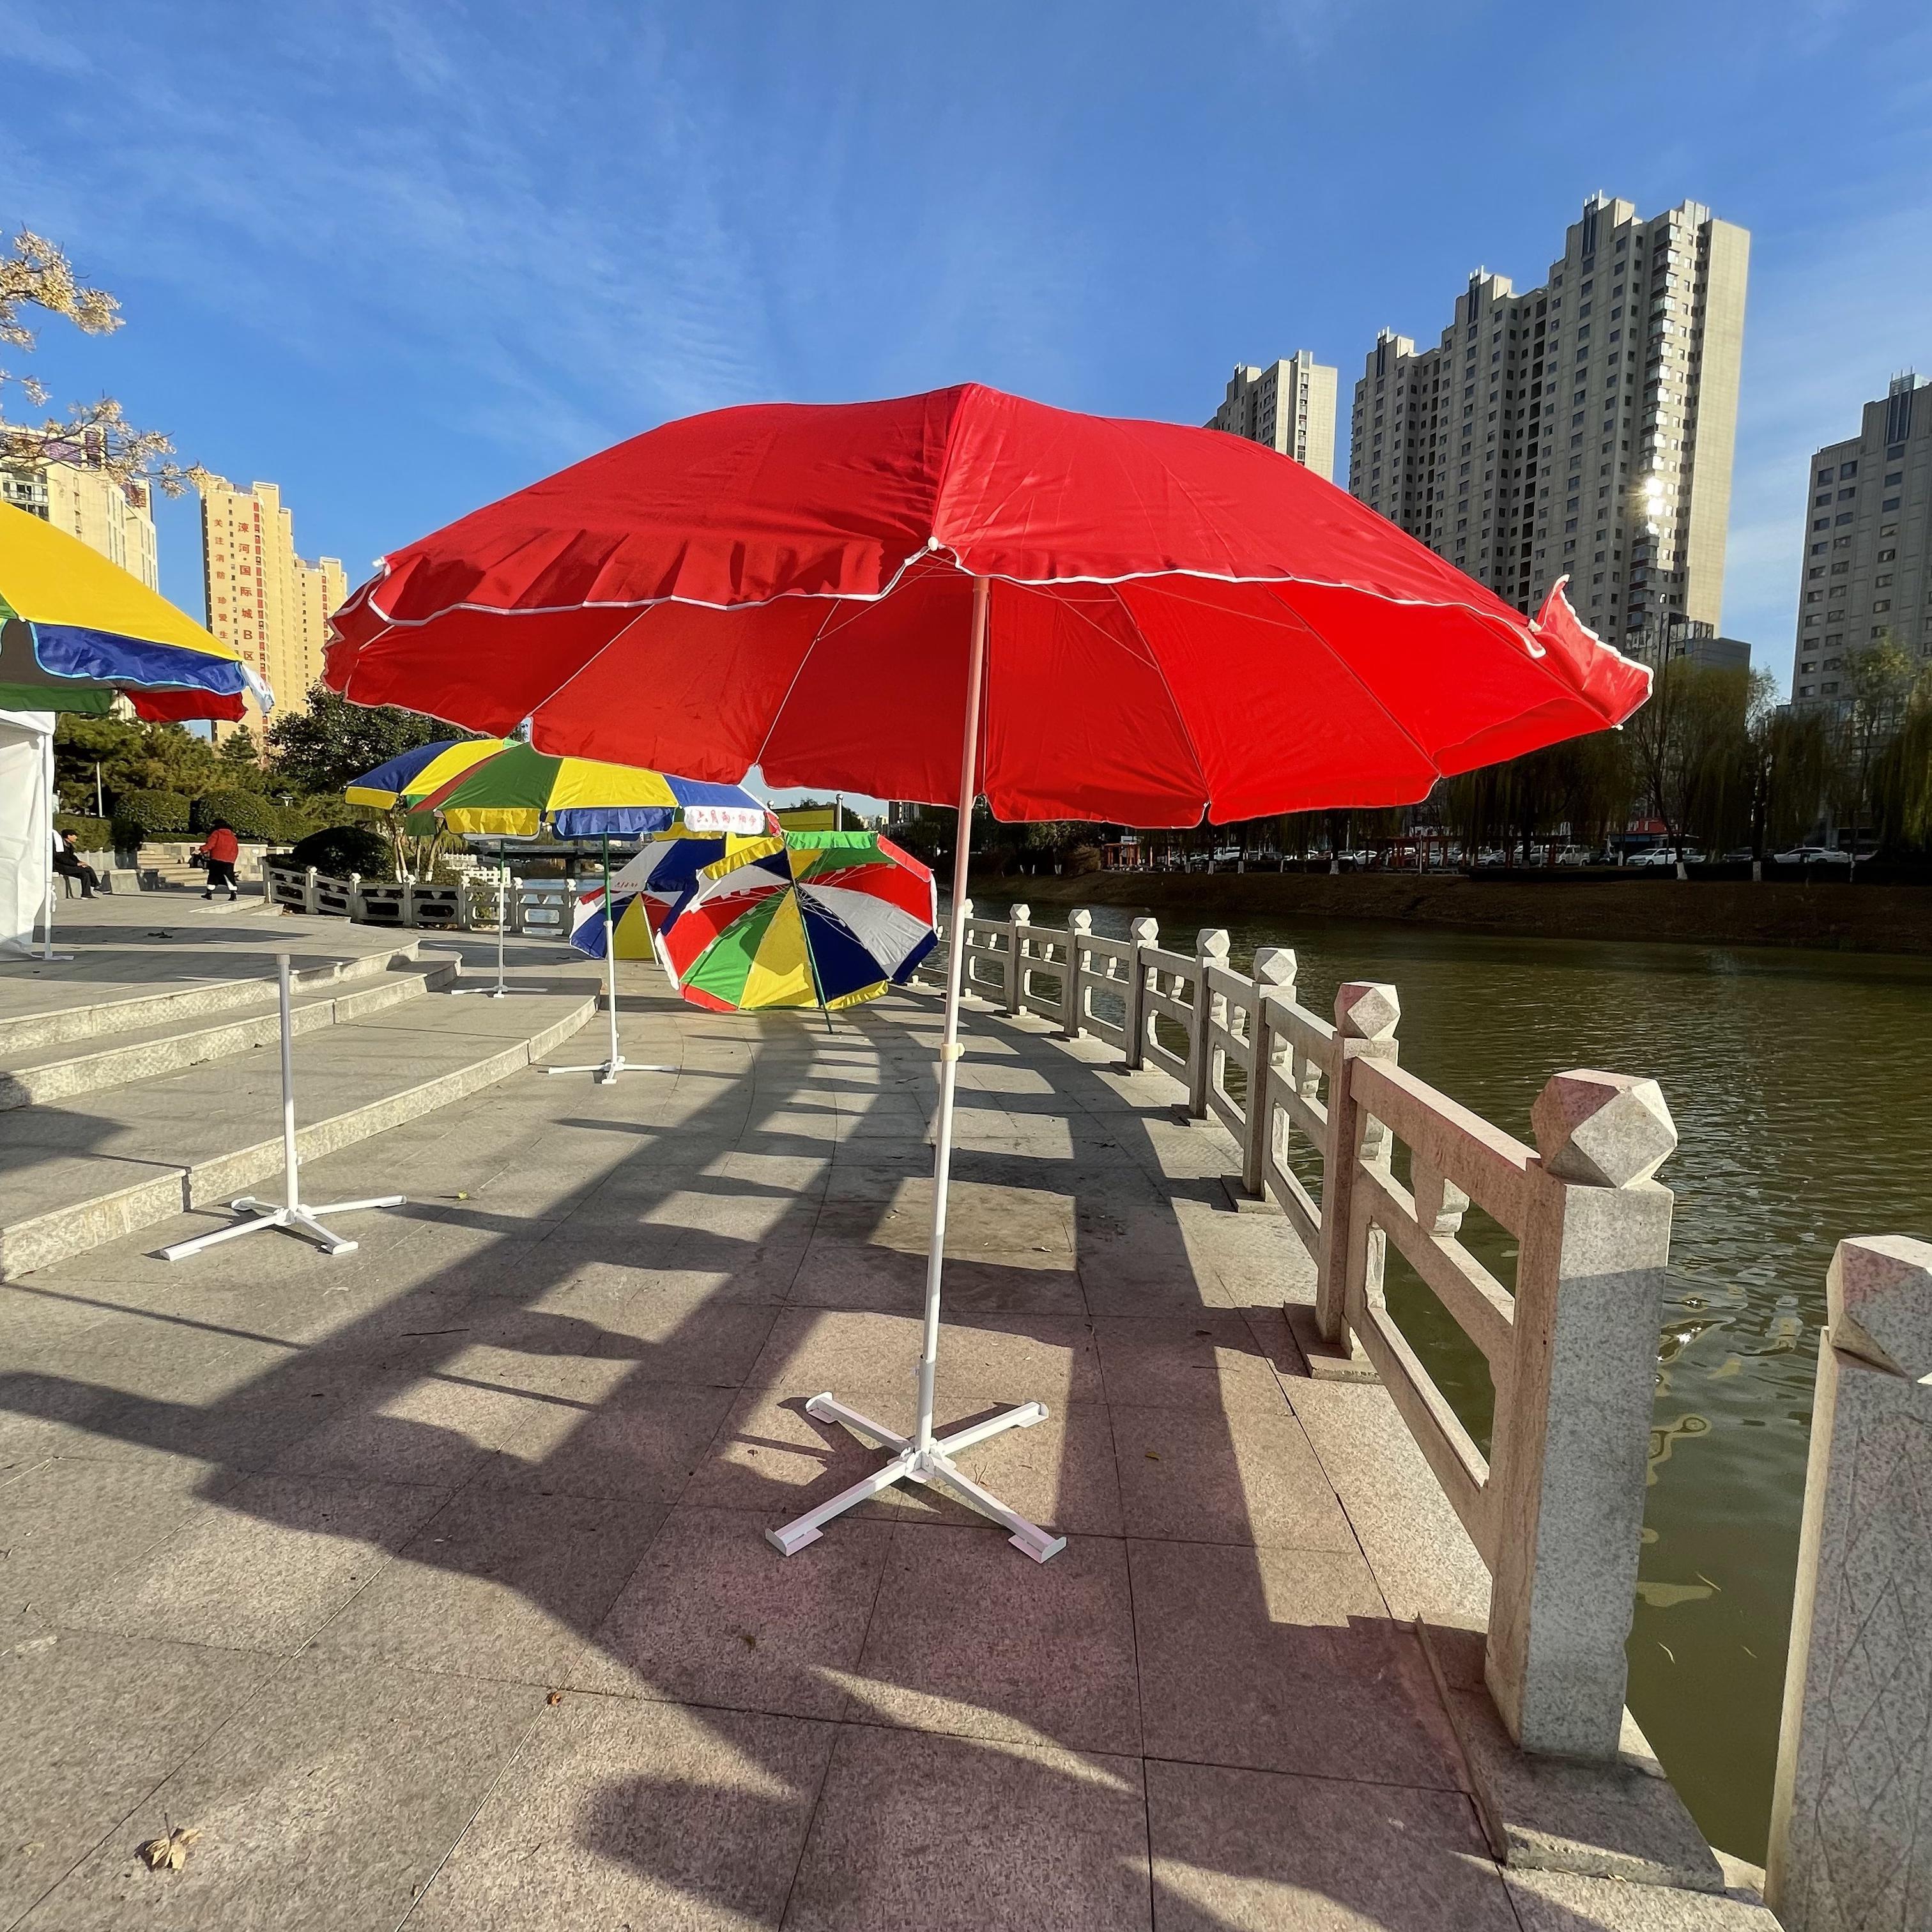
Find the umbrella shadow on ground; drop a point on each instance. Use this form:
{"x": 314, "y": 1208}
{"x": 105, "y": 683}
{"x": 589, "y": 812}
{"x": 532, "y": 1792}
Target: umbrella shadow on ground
{"x": 575, "y": 1419}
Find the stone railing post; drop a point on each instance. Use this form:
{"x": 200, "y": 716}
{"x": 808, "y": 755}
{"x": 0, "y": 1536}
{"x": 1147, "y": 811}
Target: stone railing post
{"x": 1568, "y": 1463}
{"x": 1365, "y": 1013}
{"x": 1079, "y": 924}
{"x": 354, "y": 896}
{"x": 1018, "y": 921}
{"x": 1142, "y": 932}
{"x": 1274, "y": 976}
{"x": 1851, "y": 1824}
{"x": 1211, "y": 950}
{"x": 965, "y": 949}
{"x": 310, "y": 902}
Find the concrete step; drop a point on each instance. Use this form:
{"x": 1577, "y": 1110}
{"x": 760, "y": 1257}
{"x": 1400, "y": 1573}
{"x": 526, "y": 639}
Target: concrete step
{"x": 44, "y": 1075}
{"x": 89, "y": 1019}
{"x": 71, "y": 1178}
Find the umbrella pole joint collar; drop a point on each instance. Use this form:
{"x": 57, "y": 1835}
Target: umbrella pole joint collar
{"x": 933, "y": 1467}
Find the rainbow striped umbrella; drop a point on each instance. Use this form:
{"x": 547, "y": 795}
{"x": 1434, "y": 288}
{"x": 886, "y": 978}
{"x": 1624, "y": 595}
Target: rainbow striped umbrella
{"x": 646, "y": 893}
{"x": 824, "y": 919}
{"x": 509, "y": 793}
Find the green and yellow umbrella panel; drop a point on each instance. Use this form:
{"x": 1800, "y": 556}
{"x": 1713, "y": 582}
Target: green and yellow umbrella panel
{"x": 77, "y": 630}
{"x": 509, "y": 794}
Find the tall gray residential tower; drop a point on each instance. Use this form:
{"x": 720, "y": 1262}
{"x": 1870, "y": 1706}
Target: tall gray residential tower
{"x": 1581, "y": 429}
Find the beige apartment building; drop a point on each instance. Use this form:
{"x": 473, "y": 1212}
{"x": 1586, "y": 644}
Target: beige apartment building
{"x": 263, "y": 597}
{"x": 1583, "y": 429}
{"x": 1290, "y": 405}
{"x": 1867, "y": 570}
{"x": 75, "y": 493}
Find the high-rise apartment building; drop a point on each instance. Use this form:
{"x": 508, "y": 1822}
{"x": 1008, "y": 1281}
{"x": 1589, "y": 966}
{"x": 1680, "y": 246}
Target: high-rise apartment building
{"x": 1583, "y": 429}
{"x": 1290, "y": 405}
{"x": 1868, "y": 544}
{"x": 69, "y": 488}
{"x": 262, "y": 597}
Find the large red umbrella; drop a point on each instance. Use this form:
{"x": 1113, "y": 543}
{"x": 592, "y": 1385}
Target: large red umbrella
{"x": 967, "y": 593}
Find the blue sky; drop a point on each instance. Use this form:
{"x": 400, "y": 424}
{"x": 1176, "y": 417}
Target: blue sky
{"x": 401, "y": 259}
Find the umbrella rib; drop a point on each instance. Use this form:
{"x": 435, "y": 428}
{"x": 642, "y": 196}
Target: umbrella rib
{"x": 779, "y": 709}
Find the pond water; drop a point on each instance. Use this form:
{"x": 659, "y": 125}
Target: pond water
{"x": 1801, "y": 1086}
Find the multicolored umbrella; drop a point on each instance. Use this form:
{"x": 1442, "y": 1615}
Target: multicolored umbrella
{"x": 648, "y": 893}
{"x": 410, "y": 776}
{"x": 508, "y": 795}
{"x": 76, "y": 631}
{"x": 825, "y": 918}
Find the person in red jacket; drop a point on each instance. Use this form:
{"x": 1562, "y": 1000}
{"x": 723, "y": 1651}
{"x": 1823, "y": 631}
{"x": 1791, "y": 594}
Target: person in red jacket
{"x": 221, "y": 849}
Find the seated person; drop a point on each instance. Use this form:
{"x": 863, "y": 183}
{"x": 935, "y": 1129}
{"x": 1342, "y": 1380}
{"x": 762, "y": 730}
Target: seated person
{"x": 69, "y": 865}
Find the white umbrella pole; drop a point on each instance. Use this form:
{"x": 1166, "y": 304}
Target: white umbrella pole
{"x": 920, "y": 1458}
{"x": 615, "y": 1063}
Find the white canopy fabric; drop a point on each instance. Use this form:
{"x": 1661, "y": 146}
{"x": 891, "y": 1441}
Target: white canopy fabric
{"x": 26, "y": 828}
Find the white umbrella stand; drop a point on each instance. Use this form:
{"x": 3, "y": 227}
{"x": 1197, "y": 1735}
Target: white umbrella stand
{"x": 290, "y": 1213}
{"x": 503, "y": 988}
{"x": 921, "y": 1458}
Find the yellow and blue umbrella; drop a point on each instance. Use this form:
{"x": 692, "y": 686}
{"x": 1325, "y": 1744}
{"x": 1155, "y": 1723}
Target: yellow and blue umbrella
{"x": 410, "y": 776}
{"x": 509, "y": 794}
{"x": 75, "y": 629}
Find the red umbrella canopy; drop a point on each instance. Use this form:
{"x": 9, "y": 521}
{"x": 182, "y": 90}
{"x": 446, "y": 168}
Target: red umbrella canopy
{"x": 1179, "y": 620}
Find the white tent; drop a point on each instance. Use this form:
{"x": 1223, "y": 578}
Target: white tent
{"x": 26, "y": 826}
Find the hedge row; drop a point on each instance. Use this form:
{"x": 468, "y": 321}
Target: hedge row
{"x": 90, "y": 834}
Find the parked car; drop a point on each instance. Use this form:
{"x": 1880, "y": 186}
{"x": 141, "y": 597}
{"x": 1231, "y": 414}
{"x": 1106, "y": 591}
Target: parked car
{"x": 1573, "y": 855}
{"x": 1814, "y": 855}
{"x": 1665, "y": 855}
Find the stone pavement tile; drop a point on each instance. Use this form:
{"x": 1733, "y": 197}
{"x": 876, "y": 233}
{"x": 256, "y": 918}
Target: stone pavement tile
{"x": 665, "y": 1334}
{"x": 636, "y": 1815}
{"x": 850, "y": 1274}
{"x": 263, "y": 1568}
{"x": 1562, "y": 1902}
{"x": 957, "y": 1835}
{"x": 1205, "y": 1361}
{"x": 1422, "y": 1557}
{"x": 734, "y": 1270}
{"x": 44, "y": 1311}
{"x": 1253, "y": 1851}
{"x": 89, "y": 1725}
{"x": 1247, "y": 1476}
{"x": 68, "y": 1525}
{"x": 1016, "y": 1358}
{"x": 1282, "y": 1660}
{"x": 642, "y": 1443}
{"x": 42, "y": 1415}
{"x": 496, "y": 1584}
{"x": 326, "y": 1805}
{"x": 970, "y": 1637}
{"x": 714, "y": 1615}
{"x": 431, "y": 1428}
{"x": 616, "y": 1813}
{"x": 980, "y": 1216}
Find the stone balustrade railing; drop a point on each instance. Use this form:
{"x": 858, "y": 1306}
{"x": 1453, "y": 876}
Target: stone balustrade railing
{"x": 1851, "y": 1833}
{"x": 1555, "y": 1510}
{"x": 537, "y": 908}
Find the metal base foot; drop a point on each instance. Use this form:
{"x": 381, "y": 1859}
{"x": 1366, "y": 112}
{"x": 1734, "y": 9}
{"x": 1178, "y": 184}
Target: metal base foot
{"x": 934, "y": 1467}
{"x": 303, "y": 1221}
{"x": 608, "y": 1070}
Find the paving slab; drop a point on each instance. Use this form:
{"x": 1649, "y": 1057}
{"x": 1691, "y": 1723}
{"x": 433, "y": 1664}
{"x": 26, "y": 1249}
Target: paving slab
{"x": 327, "y": 1803}
{"x": 954, "y": 1834}
{"x": 92, "y": 1724}
{"x": 961, "y": 1641}
{"x": 615, "y": 1813}
{"x": 1254, "y": 1851}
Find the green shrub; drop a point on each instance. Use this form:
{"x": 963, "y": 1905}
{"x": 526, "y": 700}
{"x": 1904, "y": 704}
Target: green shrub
{"x": 140, "y": 815}
{"x": 340, "y": 849}
{"x": 90, "y": 834}
{"x": 249, "y": 814}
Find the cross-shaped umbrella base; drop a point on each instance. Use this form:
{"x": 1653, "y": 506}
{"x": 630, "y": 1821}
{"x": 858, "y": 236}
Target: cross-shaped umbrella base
{"x": 933, "y": 1466}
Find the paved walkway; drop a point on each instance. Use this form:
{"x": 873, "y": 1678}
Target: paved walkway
{"x": 428, "y": 1584}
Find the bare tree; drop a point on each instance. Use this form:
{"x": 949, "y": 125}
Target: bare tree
{"x": 1682, "y": 739}
{"x": 36, "y": 279}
